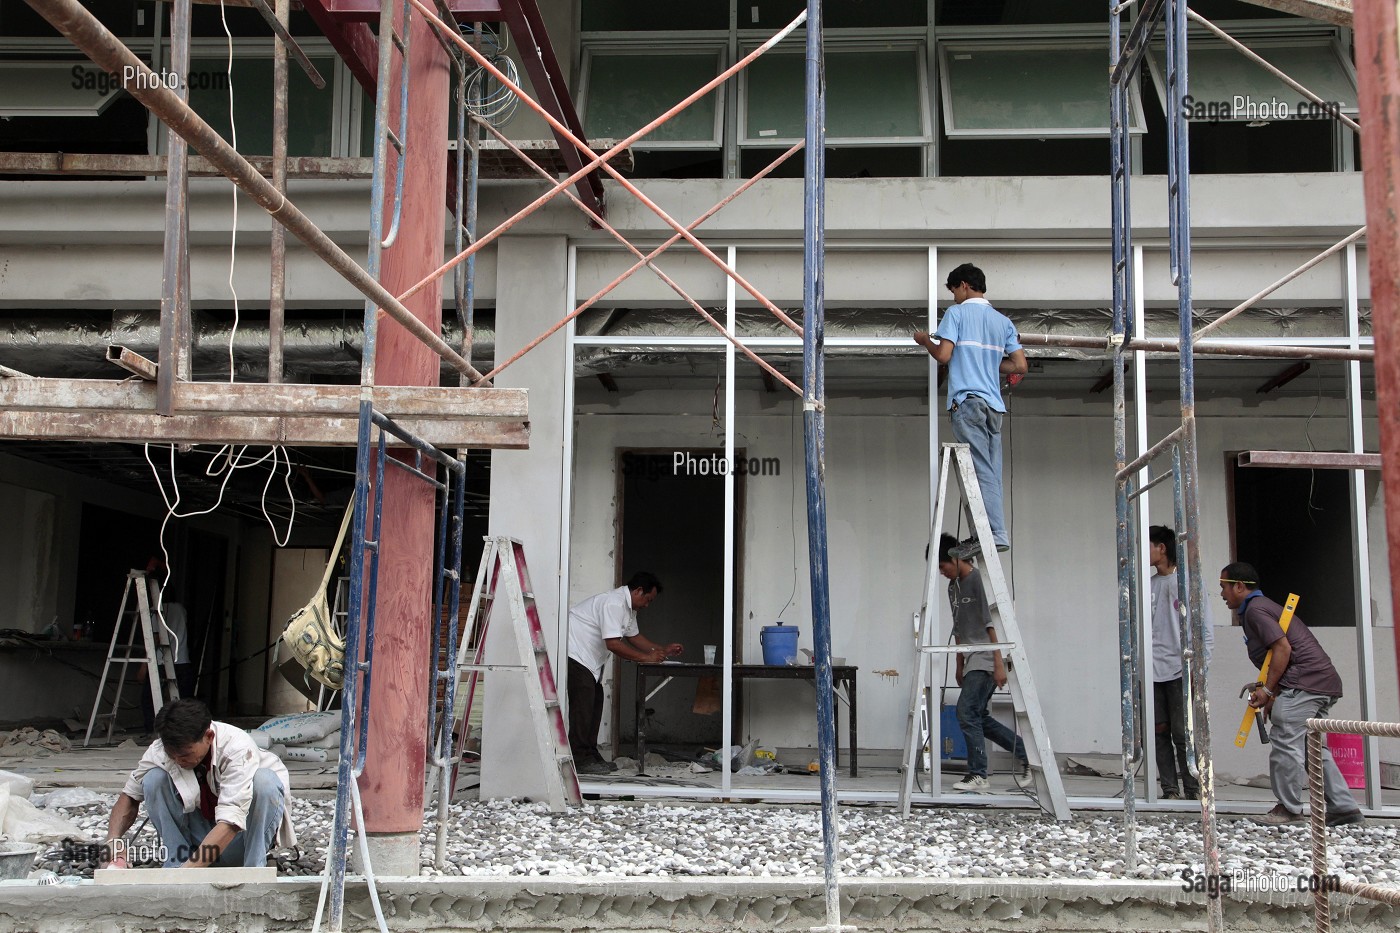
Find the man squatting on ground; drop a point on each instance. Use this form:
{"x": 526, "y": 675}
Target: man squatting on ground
{"x": 214, "y": 797}
{"x": 978, "y": 344}
{"x": 979, "y": 672}
{"x": 603, "y": 624}
{"x": 1168, "y": 697}
{"x": 1302, "y": 685}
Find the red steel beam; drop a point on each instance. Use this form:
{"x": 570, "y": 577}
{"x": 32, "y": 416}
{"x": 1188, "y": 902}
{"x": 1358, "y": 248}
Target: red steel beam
{"x": 1378, "y": 78}
{"x": 368, "y": 10}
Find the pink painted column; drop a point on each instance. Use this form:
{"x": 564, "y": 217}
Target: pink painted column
{"x": 1378, "y": 77}
{"x": 392, "y": 786}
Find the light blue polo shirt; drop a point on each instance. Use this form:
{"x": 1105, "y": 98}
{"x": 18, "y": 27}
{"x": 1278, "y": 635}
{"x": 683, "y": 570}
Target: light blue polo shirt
{"x": 982, "y": 337}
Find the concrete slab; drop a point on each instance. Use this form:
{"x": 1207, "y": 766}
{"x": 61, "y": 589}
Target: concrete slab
{"x": 699, "y": 904}
{"x": 219, "y": 877}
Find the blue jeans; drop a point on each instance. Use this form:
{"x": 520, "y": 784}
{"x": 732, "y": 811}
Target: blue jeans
{"x": 978, "y": 724}
{"x": 181, "y": 832}
{"x": 978, "y": 426}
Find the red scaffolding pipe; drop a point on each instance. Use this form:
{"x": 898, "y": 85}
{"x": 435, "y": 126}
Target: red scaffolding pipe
{"x": 1378, "y": 79}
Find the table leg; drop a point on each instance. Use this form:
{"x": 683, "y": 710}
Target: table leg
{"x": 637, "y": 722}
{"x": 851, "y": 695}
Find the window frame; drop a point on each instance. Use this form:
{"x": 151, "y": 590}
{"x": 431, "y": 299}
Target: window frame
{"x": 1137, "y": 118}
{"x": 651, "y": 43}
{"x": 905, "y": 41}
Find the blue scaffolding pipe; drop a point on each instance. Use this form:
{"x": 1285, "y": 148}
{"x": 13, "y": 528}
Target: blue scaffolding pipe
{"x": 814, "y": 435}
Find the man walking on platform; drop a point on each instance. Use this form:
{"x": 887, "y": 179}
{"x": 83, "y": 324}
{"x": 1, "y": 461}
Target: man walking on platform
{"x": 978, "y": 344}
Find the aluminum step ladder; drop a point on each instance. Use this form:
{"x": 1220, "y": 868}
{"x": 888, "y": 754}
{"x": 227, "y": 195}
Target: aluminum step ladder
{"x": 503, "y": 568}
{"x": 956, "y": 460}
{"x": 158, "y": 654}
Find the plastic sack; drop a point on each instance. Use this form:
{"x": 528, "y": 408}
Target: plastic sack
{"x": 298, "y": 729}
{"x": 18, "y": 784}
{"x": 70, "y": 797}
{"x": 25, "y": 822}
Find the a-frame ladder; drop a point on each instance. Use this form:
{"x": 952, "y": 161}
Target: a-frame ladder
{"x": 956, "y": 460}
{"x": 158, "y": 654}
{"x": 503, "y": 568}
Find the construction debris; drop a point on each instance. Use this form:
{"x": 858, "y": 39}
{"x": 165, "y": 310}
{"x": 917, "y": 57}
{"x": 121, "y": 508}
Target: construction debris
{"x": 30, "y": 741}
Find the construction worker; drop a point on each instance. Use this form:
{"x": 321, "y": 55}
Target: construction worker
{"x": 602, "y": 625}
{"x": 214, "y": 797}
{"x": 1302, "y": 685}
{"x": 978, "y": 344}
{"x": 1168, "y": 697}
{"x": 978, "y": 673}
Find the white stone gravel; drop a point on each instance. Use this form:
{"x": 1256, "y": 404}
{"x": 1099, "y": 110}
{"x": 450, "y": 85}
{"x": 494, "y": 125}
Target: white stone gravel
{"x": 505, "y": 839}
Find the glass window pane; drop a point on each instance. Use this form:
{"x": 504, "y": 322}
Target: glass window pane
{"x": 991, "y": 90}
{"x": 310, "y": 112}
{"x": 855, "y": 108}
{"x": 838, "y": 14}
{"x": 625, "y": 92}
{"x": 1219, "y": 74}
{"x": 619, "y": 15}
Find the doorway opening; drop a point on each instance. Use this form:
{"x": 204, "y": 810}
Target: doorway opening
{"x": 671, "y": 523}
{"x": 1295, "y": 527}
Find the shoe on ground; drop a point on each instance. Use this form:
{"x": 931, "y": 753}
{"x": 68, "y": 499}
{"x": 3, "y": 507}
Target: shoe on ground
{"x": 595, "y": 767}
{"x": 973, "y": 784}
{"x": 1345, "y": 818}
{"x": 1171, "y": 793}
{"x": 1279, "y": 816}
{"x": 610, "y": 765}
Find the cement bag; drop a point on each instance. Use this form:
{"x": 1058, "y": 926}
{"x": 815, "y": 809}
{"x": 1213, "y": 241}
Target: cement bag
{"x": 25, "y": 822}
{"x": 297, "y": 729}
{"x": 18, "y": 784}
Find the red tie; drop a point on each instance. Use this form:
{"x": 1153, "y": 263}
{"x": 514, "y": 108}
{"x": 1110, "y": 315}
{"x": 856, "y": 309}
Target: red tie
{"x": 208, "y": 800}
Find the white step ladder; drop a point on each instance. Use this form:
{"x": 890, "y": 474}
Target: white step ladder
{"x": 503, "y": 567}
{"x": 158, "y": 654}
{"x": 1030, "y": 721}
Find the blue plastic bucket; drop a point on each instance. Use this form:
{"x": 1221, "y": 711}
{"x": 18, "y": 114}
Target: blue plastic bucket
{"x": 779, "y": 644}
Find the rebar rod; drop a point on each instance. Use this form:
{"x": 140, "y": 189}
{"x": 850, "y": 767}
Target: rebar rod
{"x": 601, "y": 293}
{"x": 1257, "y": 59}
{"x": 1269, "y": 290}
{"x": 602, "y": 160}
{"x": 597, "y": 218}
{"x": 1317, "y": 827}
{"x": 93, "y": 39}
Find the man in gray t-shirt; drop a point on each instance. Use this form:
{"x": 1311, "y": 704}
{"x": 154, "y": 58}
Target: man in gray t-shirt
{"x": 979, "y": 673}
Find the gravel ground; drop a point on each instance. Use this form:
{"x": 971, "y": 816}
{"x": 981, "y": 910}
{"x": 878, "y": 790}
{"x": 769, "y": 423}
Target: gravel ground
{"x": 512, "y": 839}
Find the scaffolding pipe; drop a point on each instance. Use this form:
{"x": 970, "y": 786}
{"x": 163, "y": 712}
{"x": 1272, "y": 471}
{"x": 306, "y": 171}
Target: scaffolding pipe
{"x": 174, "y": 286}
{"x": 602, "y": 292}
{"x": 277, "y": 296}
{"x": 671, "y": 283}
{"x": 814, "y": 436}
{"x": 81, "y": 28}
{"x": 1269, "y": 290}
{"x": 602, "y": 161}
{"x": 1179, "y": 192}
{"x": 1205, "y": 348}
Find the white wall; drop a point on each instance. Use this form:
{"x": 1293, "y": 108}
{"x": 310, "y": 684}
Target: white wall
{"x": 1060, "y": 504}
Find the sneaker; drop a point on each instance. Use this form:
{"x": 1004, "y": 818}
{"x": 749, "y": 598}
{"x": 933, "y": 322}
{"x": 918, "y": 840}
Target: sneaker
{"x": 594, "y": 767}
{"x": 1345, "y": 818}
{"x": 966, "y": 549}
{"x": 1022, "y": 772}
{"x": 973, "y": 784}
{"x": 1279, "y": 816}
{"x": 1171, "y": 793}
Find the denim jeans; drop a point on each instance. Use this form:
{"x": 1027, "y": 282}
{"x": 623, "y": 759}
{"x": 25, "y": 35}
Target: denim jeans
{"x": 1169, "y": 709}
{"x": 978, "y": 426}
{"x": 181, "y": 832}
{"x": 978, "y": 724}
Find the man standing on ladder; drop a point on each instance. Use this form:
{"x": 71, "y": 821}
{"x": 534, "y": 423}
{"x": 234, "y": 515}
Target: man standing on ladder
{"x": 978, "y": 344}
{"x": 979, "y": 673}
{"x": 598, "y": 626}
